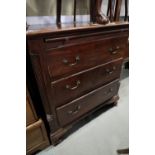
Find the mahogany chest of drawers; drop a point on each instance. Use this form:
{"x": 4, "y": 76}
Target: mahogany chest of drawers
{"x": 77, "y": 70}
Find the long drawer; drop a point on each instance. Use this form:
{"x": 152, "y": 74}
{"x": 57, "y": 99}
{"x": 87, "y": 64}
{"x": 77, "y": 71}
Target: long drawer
{"x": 78, "y": 85}
{"x": 68, "y": 60}
{"x": 67, "y": 40}
{"x": 82, "y": 105}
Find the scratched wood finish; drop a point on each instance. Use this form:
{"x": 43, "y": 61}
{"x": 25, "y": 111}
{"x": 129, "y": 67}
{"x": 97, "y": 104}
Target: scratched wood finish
{"x": 78, "y": 107}
{"x": 62, "y": 57}
{"x": 76, "y": 58}
{"x": 78, "y": 85}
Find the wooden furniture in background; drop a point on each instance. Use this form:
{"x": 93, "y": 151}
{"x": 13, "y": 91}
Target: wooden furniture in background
{"x": 110, "y": 9}
{"x": 114, "y": 10}
{"x": 36, "y": 136}
{"x": 117, "y": 10}
{"x": 126, "y": 10}
{"x": 96, "y": 15}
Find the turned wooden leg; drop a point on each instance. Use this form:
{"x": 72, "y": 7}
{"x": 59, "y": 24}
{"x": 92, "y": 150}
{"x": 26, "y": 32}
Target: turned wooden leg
{"x": 75, "y": 12}
{"x": 99, "y": 16}
{"x": 117, "y": 10}
{"x": 111, "y": 10}
{"x": 92, "y": 12}
{"x": 58, "y": 17}
{"x": 126, "y": 18}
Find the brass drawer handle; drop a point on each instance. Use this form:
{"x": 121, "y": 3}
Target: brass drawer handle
{"x": 73, "y": 112}
{"x": 75, "y": 87}
{"x": 111, "y": 71}
{"x": 77, "y": 59}
{"x": 114, "y": 50}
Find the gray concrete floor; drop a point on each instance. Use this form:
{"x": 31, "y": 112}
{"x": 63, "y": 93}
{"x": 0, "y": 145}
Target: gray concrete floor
{"x": 104, "y": 134}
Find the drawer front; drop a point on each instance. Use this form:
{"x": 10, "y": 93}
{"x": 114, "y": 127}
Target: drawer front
{"x": 68, "y": 38}
{"x": 82, "y": 105}
{"x": 80, "y": 84}
{"x": 73, "y": 59}
{"x": 36, "y": 137}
